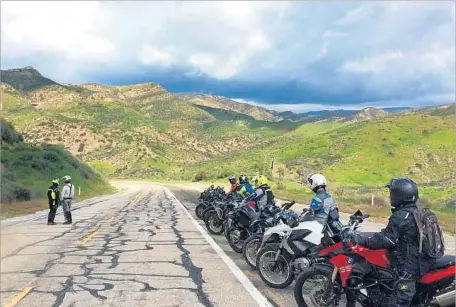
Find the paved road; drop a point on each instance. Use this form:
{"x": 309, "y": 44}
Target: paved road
{"x": 188, "y": 195}
{"x": 139, "y": 247}
{"x": 278, "y": 297}
{"x": 136, "y": 248}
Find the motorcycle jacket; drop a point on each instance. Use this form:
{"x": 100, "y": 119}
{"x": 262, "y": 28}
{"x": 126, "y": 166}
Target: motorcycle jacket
{"x": 234, "y": 188}
{"x": 321, "y": 204}
{"x": 401, "y": 237}
{"x": 53, "y": 194}
{"x": 263, "y": 196}
{"x": 246, "y": 189}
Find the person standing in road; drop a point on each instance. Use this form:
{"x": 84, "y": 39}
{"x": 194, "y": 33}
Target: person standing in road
{"x": 67, "y": 197}
{"x": 53, "y": 195}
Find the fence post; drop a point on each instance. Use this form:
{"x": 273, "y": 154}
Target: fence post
{"x": 79, "y": 190}
{"x": 372, "y": 202}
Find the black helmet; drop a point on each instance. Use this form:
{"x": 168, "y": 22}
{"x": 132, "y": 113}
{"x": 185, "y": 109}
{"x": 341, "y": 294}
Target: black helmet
{"x": 402, "y": 191}
{"x": 243, "y": 179}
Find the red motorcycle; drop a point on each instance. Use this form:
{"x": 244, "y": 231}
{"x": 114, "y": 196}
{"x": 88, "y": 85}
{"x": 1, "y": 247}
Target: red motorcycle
{"x": 325, "y": 282}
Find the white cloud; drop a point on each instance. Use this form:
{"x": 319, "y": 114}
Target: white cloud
{"x": 372, "y": 64}
{"x": 66, "y": 29}
{"x": 367, "y": 48}
{"x": 355, "y": 15}
{"x": 151, "y": 55}
{"x": 328, "y": 37}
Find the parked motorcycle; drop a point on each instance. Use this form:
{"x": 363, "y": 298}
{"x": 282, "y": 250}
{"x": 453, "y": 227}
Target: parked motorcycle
{"x": 207, "y": 197}
{"x": 324, "y": 283}
{"x": 244, "y": 222}
{"x": 252, "y": 244}
{"x": 285, "y": 248}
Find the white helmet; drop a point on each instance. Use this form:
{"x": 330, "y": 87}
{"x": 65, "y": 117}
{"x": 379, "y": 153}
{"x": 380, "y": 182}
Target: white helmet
{"x": 316, "y": 180}
{"x": 67, "y": 178}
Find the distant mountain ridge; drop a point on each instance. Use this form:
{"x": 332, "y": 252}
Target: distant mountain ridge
{"x": 25, "y": 79}
{"x": 29, "y": 81}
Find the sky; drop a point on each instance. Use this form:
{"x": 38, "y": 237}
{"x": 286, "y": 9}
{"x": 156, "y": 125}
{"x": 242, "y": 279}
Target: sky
{"x": 296, "y": 56}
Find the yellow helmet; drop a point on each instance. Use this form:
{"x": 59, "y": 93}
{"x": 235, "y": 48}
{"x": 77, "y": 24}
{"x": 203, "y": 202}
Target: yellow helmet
{"x": 261, "y": 180}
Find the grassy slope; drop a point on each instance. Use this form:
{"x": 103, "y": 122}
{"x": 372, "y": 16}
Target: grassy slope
{"x": 28, "y": 170}
{"x": 355, "y": 157}
{"x": 149, "y": 135}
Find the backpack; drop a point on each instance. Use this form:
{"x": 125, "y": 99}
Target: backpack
{"x": 430, "y": 237}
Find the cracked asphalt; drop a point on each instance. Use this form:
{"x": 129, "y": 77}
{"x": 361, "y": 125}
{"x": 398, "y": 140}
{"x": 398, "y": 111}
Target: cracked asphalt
{"x": 135, "y": 248}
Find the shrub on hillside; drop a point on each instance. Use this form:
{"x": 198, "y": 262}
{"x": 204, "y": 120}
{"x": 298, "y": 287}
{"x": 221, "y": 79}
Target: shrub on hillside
{"x": 12, "y": 191}
{"x": 9, "y": 134}
{"x": 200, "y": 175}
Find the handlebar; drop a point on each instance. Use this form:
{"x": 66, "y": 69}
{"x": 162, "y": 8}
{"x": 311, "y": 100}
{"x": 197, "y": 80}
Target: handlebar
{"x": 287, "y": 206}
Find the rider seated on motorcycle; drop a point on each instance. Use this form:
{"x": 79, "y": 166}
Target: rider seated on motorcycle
{"x": 322, "y": 203}
{"x": 246, "y": 188}
{"x": 401, "y": 237}
{"x": 263, "y": 195}
{"x": 234, "y": 186}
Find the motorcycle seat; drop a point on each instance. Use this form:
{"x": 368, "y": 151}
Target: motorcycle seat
{"x": 444, "y": 262}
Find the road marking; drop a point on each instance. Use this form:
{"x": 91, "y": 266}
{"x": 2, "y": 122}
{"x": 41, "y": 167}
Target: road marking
{"x": 20, "y": 295}
{"x": 89, "y": 237}
{"x": 246, "y": 283}
{"x": 138, "y": 197}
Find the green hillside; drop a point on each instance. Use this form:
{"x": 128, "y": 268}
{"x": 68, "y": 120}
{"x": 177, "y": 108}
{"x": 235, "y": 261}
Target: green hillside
{"x": 28, "y": 170}
{"x": 142, "y": 131}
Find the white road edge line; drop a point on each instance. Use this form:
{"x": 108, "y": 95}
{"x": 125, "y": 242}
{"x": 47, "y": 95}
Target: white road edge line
{"x": 246, "y": 283}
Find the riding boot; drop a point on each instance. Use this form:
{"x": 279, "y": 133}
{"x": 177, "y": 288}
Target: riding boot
{"x": 67, "y": 218}
{"x": 70, "y": 218}
{"x": 51, "y": 217}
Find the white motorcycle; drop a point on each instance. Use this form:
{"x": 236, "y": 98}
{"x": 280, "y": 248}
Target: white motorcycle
{"x": 285, "y": 248}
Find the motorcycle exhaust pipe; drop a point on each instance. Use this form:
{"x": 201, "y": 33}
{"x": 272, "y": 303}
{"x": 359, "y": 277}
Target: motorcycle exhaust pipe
{"x": 444, "y": 300}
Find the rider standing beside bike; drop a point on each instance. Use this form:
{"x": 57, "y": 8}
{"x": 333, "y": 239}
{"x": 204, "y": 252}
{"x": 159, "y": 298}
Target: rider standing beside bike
{"x": 401, "y": 235}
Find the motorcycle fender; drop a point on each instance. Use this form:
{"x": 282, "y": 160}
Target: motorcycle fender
{"x": 324, "y": 268}
{"x": 287, "y": 247}
{"x": 208, "y": 209}
{"x": 274, "y": 245}
{"x": 219, "y": 213}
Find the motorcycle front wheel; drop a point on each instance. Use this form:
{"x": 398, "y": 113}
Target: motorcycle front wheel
{"x": 250, "y": 250}
{"x": 311, "y": 290}
{"x": 214, "y": 224}
{"x": 235, "y": 240}
{"x": 276, "y": 274}
{"x": 199, "y": 210}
